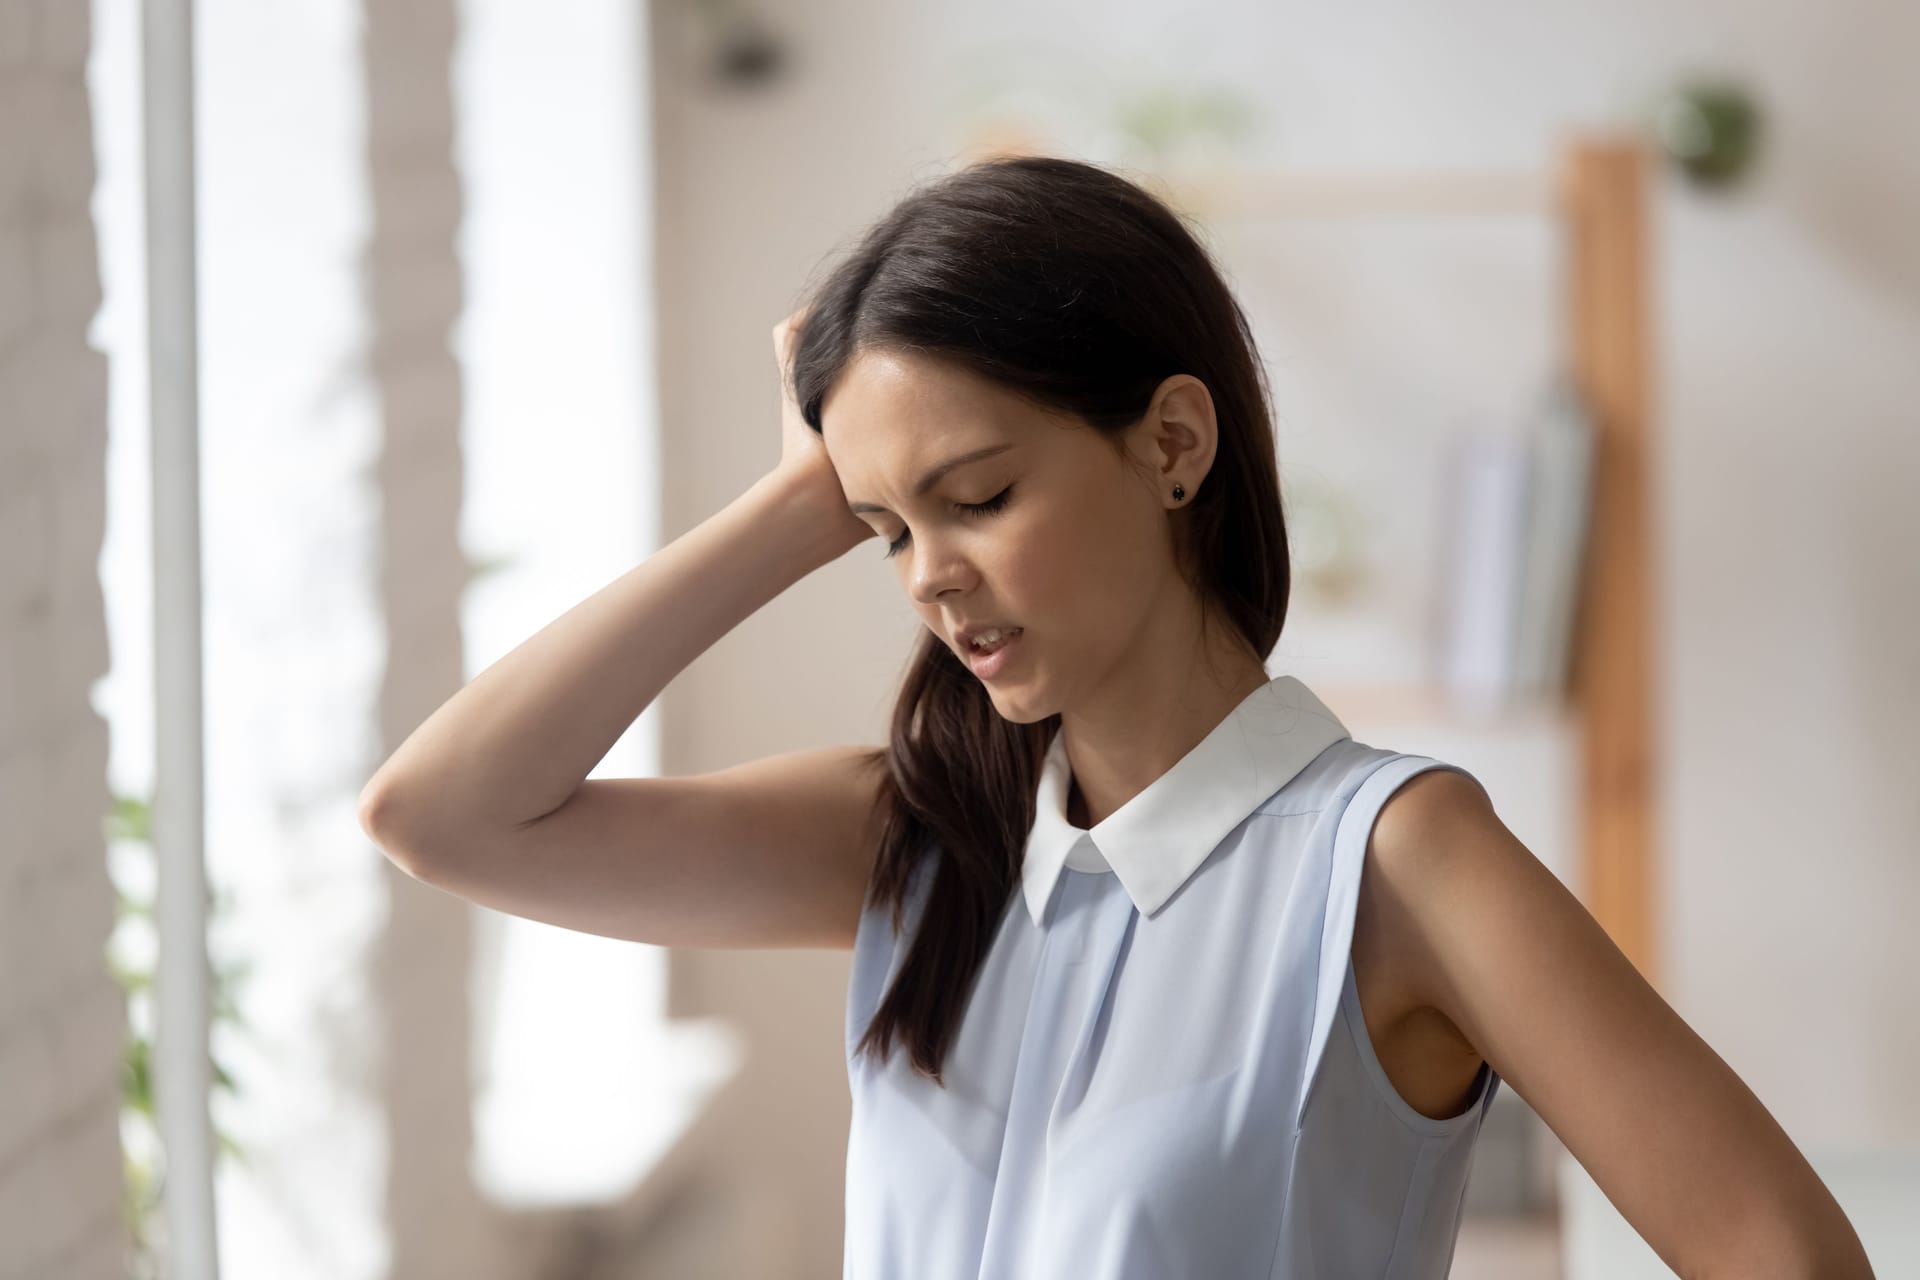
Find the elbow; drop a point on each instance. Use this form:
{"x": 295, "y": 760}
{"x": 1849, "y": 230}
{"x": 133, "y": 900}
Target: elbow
{"x": 376, "y": 810}
{"x": 379, "y": 819}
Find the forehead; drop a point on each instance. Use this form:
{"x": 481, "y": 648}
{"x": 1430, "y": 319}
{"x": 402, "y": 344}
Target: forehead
{"x": 899, "y": 405}
{"x": 894, "y": 422}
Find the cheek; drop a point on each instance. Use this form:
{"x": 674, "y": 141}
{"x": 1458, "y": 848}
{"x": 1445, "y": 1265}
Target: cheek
{"x": 1080, "y": 573}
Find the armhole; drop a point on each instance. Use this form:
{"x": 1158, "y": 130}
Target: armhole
{"x": 1484, "y": 1083}
{"x": 1335, "y": 988}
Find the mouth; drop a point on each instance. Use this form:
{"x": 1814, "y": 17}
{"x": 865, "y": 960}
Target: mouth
{"x": 990, "y": 659}
{"x": 995, "y": 636}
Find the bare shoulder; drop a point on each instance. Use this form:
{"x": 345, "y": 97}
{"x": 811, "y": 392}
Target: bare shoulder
{"x": 1420, "y": 824}
{"x": 1429, "y": 802}
{"x": 1429, "y": 1060}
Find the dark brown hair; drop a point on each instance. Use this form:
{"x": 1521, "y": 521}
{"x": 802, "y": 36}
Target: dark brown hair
{"x": 1072, "y": 286}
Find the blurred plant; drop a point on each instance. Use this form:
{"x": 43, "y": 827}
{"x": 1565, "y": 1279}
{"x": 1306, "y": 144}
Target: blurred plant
{"x": 1019, "y": 95}
{"x": 129, "y": 822}
{"x": 1325, "y": 536}
{"x": 1710, "y": 129}
{"x": 486, "y": 565}
{"x": 1164, "y": 122}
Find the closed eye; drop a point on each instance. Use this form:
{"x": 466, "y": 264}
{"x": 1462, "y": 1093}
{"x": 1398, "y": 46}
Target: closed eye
{"x": 991, "y": 506}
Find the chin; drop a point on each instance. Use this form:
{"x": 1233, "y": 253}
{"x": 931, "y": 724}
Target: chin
{"x": 1021, "y": 712}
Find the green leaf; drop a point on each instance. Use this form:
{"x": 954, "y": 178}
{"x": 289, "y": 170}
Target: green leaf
{"x": 129, "y": 818}
{"x": 136, "y": 1077}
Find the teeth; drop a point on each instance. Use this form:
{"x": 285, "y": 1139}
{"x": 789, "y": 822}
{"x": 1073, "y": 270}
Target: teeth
{"x": 990, "y": 639}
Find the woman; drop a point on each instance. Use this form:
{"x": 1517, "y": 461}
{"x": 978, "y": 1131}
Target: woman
{"x": 1156, "y": 971}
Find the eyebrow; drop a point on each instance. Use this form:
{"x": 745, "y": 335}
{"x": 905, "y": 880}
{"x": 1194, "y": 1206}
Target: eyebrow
{"x": 932, "y": 477}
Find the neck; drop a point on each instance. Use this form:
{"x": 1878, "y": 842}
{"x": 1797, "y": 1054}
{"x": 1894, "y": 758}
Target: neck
{"x": 1121, "y": 742}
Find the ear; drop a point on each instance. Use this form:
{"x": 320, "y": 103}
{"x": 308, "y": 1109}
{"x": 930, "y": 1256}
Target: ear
{"x": 1179, "y": 435}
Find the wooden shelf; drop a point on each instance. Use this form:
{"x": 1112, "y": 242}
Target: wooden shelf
{"x": 1598, "y": 193}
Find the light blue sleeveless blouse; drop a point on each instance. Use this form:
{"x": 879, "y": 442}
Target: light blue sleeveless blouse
{"x": 1162, "y": 1070}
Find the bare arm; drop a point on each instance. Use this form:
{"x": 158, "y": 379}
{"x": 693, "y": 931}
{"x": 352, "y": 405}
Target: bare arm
{"x": 517, "y": 741}
{"x": 1671, "y": 1135}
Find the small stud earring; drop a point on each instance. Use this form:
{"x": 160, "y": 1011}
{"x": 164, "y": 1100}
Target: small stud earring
{"x": 1178, "y": 493}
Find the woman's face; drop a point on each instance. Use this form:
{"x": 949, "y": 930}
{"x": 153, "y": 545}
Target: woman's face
{"x": 1064, "y": 538}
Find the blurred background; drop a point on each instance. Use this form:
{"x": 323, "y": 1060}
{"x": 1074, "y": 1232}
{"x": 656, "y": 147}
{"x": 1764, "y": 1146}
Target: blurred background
{"x": 1592, "y": 333}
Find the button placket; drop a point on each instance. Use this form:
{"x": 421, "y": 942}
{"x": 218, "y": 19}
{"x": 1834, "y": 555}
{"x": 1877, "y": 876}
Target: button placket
{"x": 1036, "y": 1067}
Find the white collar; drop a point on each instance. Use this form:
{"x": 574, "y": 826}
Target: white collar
{"x": 1160, "y": 837}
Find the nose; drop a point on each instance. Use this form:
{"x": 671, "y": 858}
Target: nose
{"x": 936, "y": 572}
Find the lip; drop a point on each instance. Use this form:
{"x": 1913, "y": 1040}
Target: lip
{"x": 988, "y": 665}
